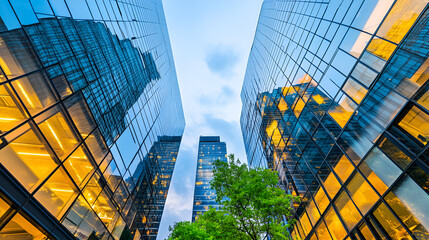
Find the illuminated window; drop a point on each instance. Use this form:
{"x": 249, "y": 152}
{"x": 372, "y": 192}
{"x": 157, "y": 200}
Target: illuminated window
{"x": 298, "y": 107}
{"x": 394, "y": 153}
{"x": 390, "y": 224}
{"x": 416, "y": 123}
{"x": 27, "y": 158}
{"x": 362, "y": 193}
{"x": 34, "y": 92}
{"x": 322, "y": 231}
{"x": 10, "y": 113}
{"x": 4, "y": 206}
{"x": 79, "y": 166}
{"x": 344, "y": 168}
{"x": 342, "y": 111}
{"x": 380, "y": 171}
{"x": 57, "y": 194}
{"x": 366, "y": 232}
{"x": 92, "y": 189}
{"x": 347, "y": 209}
{"x": 334, "y": 225}
{"x": 381, "y": 48}
{"x": 58, "y": 133}
{"x": 21, "y": 228}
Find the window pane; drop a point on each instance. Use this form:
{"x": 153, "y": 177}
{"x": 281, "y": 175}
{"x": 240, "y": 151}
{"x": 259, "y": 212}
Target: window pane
{"x": 400, "y": 19}
{"x": 354, "y": 90}
{"x": 83, "y": 222}
{"x": 344, "y": 168}
{"x": 92, "y": 189}
{"x": 97, "y": 146}
{"x": 79, "y": 166}
{"x": 112, "y": 175}
{"x": 366, "y": 232}
{"x": 348, "y": 211}
{"x": 57, "y": 194}
{"x": 11, "y": 114}
{"x": 20, "y": 228}
{"x": 59, "y": 135}
{"x": 342, "y": 110}
{"x": 395, "y": 153}
{"x": 322, "y": 231}
{"x": 106, "y": 210}
{"x": 410, "y": 202}
{"x": 423, "y": 96}
{"x": 381, "y": 48}
{"x": 80, "y": 114}
{"x": 364, "y": 75}
{"x": 27, "y": 159}
{"x": 362, "y": 193}
{"x": 371, "y": 14}
{"x": 4, "y": 206}
{"x": 355, "y": 42}
{"x": 416, "y": 123}
{"x": 390, "y": 224}
{"x": 34, "y": 92}
{"x": 334, "y": 225}
{"x": 380, "y": 171}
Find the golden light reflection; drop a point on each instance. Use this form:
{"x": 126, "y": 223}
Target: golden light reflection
{"x": 416, "y": 123}
{"x": 342, "y": 112}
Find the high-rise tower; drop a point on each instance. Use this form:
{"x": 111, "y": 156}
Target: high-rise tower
{"x": 210, "y": 149}
{"x": 90, "y": 119}
{"x": 335, "y": 98}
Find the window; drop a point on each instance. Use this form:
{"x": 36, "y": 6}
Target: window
{"x": 57, "y": 194}
{"x": 342, "y": 110}
{"x": 97, "y": 146}
{"x": 334, "y": 225}
{"x": 11, "y": 114}
{"x": 20, "y": 228}
{"x": 354, "y": 90}
{"x": 416, "y": 123}
{"x": 80, "y": 114}
{"x": 347, "y": 209}
{"x": 79, "y": 166}
{"x": 362, "y": 193}
{"x": 26, "y": 158}
{"x": 390, "y": 224}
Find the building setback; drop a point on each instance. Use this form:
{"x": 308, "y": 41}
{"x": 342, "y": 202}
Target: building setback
{"x": 210, "y": 149}
{"x": 91, "y": 119}
{"x": 335, "y": 98}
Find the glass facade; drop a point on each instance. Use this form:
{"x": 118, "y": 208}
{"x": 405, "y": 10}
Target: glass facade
{"x": 335, "y": 98}
{"x": 210, "y": 149}
{"x": 90, "y": 119}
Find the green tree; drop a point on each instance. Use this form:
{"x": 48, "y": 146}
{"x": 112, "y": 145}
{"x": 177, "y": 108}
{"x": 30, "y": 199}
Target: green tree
{"x": 254, "y": 206}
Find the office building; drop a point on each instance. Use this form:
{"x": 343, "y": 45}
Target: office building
{"x": 90, "y": 119}
{"x": 335, "y": 98}
{"x": 210, "y": 149}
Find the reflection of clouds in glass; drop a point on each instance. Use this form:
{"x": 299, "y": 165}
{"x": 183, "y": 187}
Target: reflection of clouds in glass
{"x": 222, "y": 60}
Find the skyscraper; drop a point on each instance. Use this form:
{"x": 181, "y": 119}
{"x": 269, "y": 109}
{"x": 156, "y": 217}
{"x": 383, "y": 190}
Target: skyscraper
{"x": 210, "y": 149}
{"x": 91, "y": 119}
{"x": 335, "y": 98}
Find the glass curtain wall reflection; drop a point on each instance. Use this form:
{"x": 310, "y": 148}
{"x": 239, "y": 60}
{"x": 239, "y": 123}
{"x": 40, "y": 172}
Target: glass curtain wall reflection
{"x": 335, "y": 99}
{"x": 87, "y": 89}
{"x": 210, "y": 149}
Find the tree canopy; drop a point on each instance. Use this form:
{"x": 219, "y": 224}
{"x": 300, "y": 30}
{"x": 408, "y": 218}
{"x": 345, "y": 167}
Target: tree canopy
{"x": 254, "y": 206}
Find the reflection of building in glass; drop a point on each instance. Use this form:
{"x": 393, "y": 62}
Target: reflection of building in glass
{"x": 154, "y": 175}
{"x": 335, "y": 99}
{"x": 210, "y": 149}
{"x": 86, "y": 89}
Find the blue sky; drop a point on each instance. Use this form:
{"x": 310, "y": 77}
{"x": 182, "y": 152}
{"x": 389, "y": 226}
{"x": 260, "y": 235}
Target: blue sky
{"x": 211, "y": 42}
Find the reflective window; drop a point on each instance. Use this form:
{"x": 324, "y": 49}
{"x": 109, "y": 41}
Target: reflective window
{"x": 416, "y": 123}
{"x": 354, "y": 90}
{"x": 27, "y": 159}
{"x": 366, "y": 232}
{"x": 342, "y": 111}
{"x": 409, "y": 202}
{"x": 380, "y": 171}
{"x": 34, "y": 91}
{"x": 20, "y": 228}
{"x": 347, "y": 209}
{"x": 80, "y": 114}
{"x": 24, "y": 11}
{"x": 4, "y": 206}
{"x": 334, "y": 225}
{"x": 362, "y": 193}
{"x": 364, "y": 74}
{"x": 400, "y": 19}
{"x": 57, "y": 194}
{"x": 355, "y": 42}
{"x": 390, "y": 224}
{"x": 79, "y": 166}
{"x": 10, "y": 112}
{"x": 381, "y": 48}
{"x": 371, "y": 14}
{"x": 394, "y": 153}
{"x": 97, "y": 146}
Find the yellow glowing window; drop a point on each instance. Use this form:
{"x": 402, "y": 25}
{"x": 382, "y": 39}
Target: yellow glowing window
{"x": 57, "y": 194}
{"x": 59, "y": 135}
{"x": 362, "y": 193}
{"x": 366, "y": 232}
{"x": 354, "y": 90}
{"x": 21, "y": 228}
{"x": 344, "y": 168}
{"x": 105, "y": 209}
{"x": 321, "y": 199}
{"x": 4, "y": 206}
{"x": 276, "y": 137}
{"x": 34, "y": 92}
{"x": 416, "y": 123}
{"x": 312, "y": 211}
{"x": 400, "y": 19}
{"x": 285, "y": 91}
{"x": 334, "y": 225}
{"x": 332, "y": 185}
{"x": 322, "y": 231}
{"x": 306, "y": 226}
{"x": 389, "y": 222}
{"x": 10, "y": 114}
{"x": 79, "y": 166}
{"x": 381, "y": 48}
{"x": 342, "y": 112}
{"x": 347, "y": 209}
{"x": 92, "y": 189}
{"x": 27, "y": 159}
{"x": 298, "y": 107}
{"x": 282, "y": 106}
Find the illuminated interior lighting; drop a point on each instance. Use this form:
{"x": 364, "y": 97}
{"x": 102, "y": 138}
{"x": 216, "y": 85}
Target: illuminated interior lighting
{"x": 34, "y": 154}
{"x": 8, "y": 119}
{"x": 26, "y": 95}
{"x": 55, "y": 135}
{"x": 62, "y": 190}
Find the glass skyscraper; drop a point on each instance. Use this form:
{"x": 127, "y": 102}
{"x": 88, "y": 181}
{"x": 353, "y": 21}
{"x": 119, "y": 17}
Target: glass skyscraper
{"x": 90, "y": 119}
{"x": 335, "y": 98}
{"x": 210, "y": 149}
